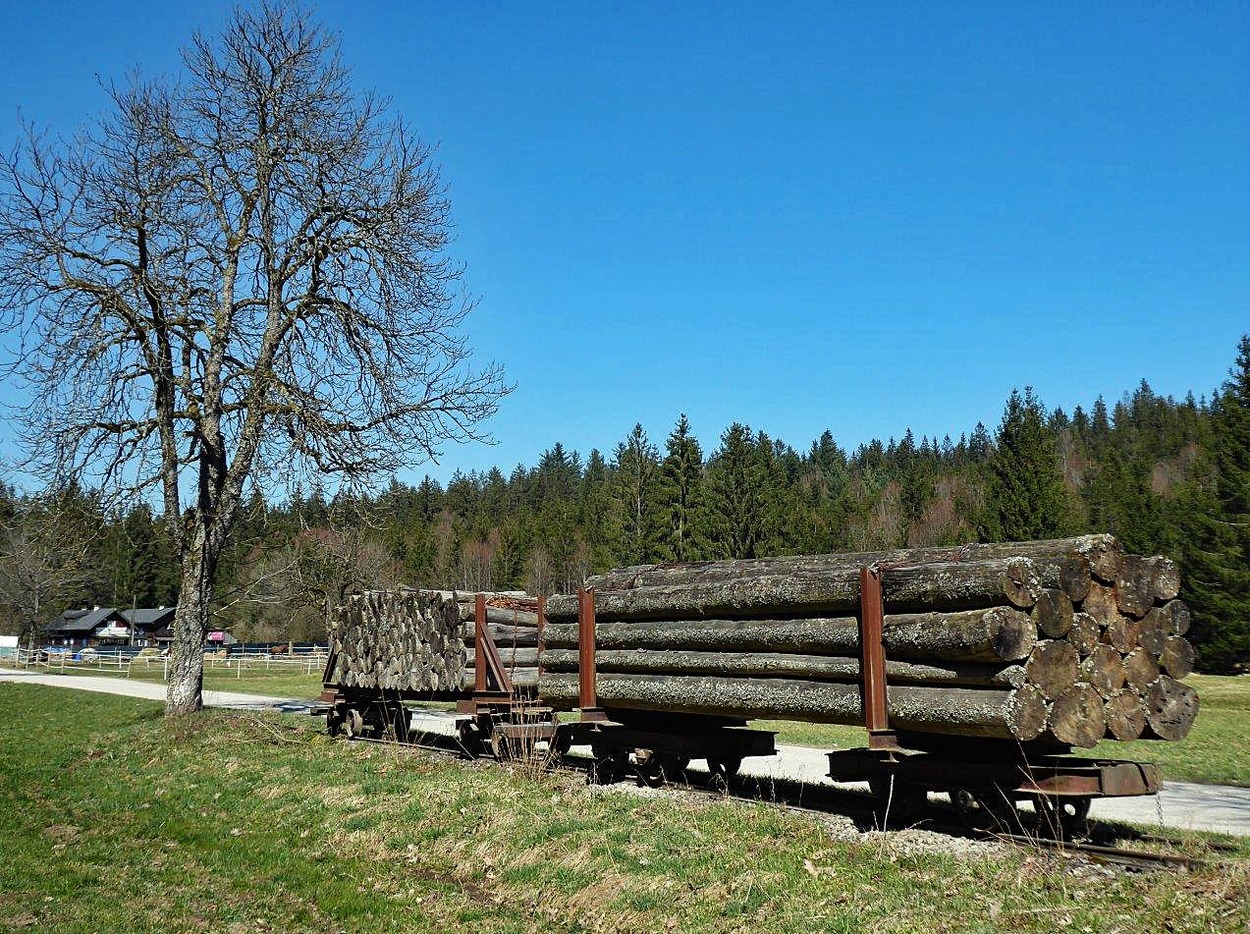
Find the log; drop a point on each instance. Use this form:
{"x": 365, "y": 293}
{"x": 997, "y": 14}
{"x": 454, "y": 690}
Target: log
{"x": 931, "y": 587}
{"x": 951, "y": 711}
{"x": 1171, "y": 619}
{"x": 1177, "y": 658}
{"x": 777, "y": 665}
{"x": 999, "y": 634}
{"x": 1167, "y": 578}
{"x": 1085, "y": 634}
{"x": 1170, "y": 708}
{"x": 504, "y": 635}
{"x": 511, "y": 658}
{"x": 1027, "y": 713}
{"x": 1053, "y": 613}
{"x": 1135, "y": 586}
{"x": 1104, "y": 671}
{"x": 1065, "y": 563}
{"x": 1126, "y": 715}
{"x": 1140, "y": 671}
{"x": 1122, "y": 632}
{"x": 1052, "y": 667}
{"x": 1078, "y": 717}
{"x": 398, "y": 641}
{"x": 1100, "y": 603}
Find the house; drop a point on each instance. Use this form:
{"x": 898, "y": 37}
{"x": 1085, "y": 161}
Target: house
{"x": 77, "y": 629}
{"x": 106, "y": 625}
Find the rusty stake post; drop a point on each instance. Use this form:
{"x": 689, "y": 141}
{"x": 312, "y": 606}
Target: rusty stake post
{"x": 479, "y": 649}
{"x": 587, "y": 690}
{"x": 872, "y": 660}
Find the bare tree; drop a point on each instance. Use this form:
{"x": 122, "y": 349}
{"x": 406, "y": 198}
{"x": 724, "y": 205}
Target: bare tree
{"x": 46, "y": 550}
{"x": 241, "y": 274}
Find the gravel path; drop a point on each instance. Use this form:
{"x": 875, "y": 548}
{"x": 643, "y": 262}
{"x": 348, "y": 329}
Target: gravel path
{"x": 1179, "y": 805}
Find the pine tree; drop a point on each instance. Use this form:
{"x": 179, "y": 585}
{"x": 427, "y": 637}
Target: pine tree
{"x": 1218, "y": 558}
{"x": 1027, "y": 496}
{"x": 682, "y": 493}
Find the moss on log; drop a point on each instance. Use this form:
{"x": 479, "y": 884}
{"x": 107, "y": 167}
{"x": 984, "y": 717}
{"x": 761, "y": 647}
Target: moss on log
{"x": 952, "y": 711}
{"x": 999, "y": 634}
{"x": 931, "y": 587}
{"x": 779, "y": 665}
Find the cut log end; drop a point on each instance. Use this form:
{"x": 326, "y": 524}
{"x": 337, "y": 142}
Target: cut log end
{"x": 1126, "y": 716}
{"x": 1085, "y": 633}
{"x": 1052, "y": 667}
{"x": 1053, "y": 613}
{"x": 1027, "y": 713}
{"x": 1104, "y": 671}
{"x": 1078, "y": 717}
{"x": 1177, "y": 658}
{"x": 1171, "y": 708}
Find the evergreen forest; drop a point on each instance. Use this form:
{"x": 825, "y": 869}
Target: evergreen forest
{"x": 1166, "y": 476}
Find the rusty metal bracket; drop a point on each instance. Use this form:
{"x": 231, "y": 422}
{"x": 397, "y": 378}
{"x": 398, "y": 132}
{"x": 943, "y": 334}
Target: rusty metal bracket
{"x": 486, "y": 654}
{"x": 587, "y": 681}
{"x": 872, "y": 660}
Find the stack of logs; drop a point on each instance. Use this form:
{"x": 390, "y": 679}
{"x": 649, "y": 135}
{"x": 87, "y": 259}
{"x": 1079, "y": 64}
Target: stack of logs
{"x": 1061, "y": 642}
{"x": 512, "y": 621}
{"x": 408, "y": 640}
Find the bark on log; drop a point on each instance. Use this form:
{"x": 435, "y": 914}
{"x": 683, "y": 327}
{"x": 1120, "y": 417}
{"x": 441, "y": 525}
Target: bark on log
{"x": 1098, "y": 554}
{"x": 1085, "y": 634}
{"x": 1053, "y": 613}
{"x": 931, "y": 587}
{"x": 1135, "y": 586}
{"x": 995, "y": 635}
{"x": 1177, "y": 658}
{"x": 1104, "y": 671}
{"x": 952, "y": 711}
{"x": 1167, "y": 578}
{"x": 1126, "y": 716}
{"x": 1170, "y": 708}
{"x": 776, "y": 665}
{"x": 1052, "y": 667}
{"x": 504, "y": 635}
{"x": 1140, "y": 671}
{"x": 520, "y": 658}
{"x": 1078, "y": 717}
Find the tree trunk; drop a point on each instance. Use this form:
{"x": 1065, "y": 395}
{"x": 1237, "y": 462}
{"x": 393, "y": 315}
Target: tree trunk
{"x": 930, "y": 587}
{"x": 1000, "y": 634}
{"x": 184, "y": 691}
{"x": 1064, "y": 563}
{"x": 953, "y": 711}
{"x": 775, "y": 665}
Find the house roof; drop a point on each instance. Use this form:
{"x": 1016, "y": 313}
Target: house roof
{"x": 145, "y": 616}
{"x": 81, "y": 620}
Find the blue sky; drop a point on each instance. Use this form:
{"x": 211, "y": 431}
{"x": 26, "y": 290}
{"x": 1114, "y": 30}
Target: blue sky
{"x": 860, "y": 217}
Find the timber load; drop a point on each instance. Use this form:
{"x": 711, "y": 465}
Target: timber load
{"x": 1061, "y": 642}
{"x": 403, "y": 641}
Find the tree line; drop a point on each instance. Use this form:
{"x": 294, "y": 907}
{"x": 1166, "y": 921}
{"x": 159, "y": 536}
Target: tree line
{"x": 1165, "y": 476}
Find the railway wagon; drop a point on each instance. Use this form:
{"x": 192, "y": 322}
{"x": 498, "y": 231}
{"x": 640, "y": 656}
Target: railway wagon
{"x": 538, "y": 676}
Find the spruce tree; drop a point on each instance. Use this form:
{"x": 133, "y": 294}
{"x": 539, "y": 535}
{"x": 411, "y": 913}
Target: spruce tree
{"x": 1217, "y": 567}
{"x": 636, "y": 469}
{"x": 736, "y": 480}
{"x": 682, "y": 494}
{"x": 1027, "y": 497}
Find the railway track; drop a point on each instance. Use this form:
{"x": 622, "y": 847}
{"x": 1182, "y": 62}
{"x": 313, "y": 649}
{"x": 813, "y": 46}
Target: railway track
{"x": 819, "y": 801}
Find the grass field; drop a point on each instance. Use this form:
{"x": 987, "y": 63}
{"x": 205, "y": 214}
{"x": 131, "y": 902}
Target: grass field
{"x": 1217, "y": 751}
{"x": 117, "y": 821}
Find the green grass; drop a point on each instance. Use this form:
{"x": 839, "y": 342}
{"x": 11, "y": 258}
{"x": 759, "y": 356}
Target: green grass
{"x": 115, "y": 820}
{"x": 277, "y": 682}
{"x": 1217, "y": 750}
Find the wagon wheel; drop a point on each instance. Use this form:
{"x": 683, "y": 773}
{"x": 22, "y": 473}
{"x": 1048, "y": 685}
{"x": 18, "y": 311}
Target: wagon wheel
{"x": 470, "y": 738}
{"x": 334, "y": 722}
{"x": 722, "y": 771}
{"x": 560, "y": 745}
{"x": 609, "y": 766}
{"x": 353, "y": 723}
{"x": 986, "y": 808}
{"x": 895, "y": 803}
{"x": 397, "y": 725}
{"x": 1064, "y": 818}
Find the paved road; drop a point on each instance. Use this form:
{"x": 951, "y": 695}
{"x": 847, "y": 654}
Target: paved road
{"x": 1179, "y": 805}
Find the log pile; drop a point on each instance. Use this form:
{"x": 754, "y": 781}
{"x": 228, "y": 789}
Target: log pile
{"x": 512, "y": 621}
{"x": 399, "y": 641}
{"x": 1064, "y": 641}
